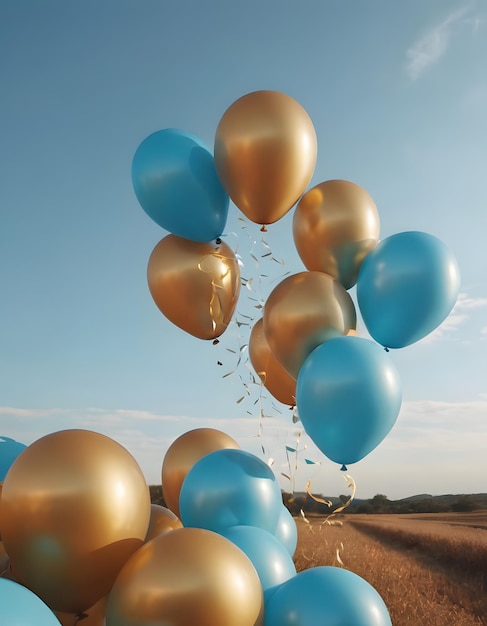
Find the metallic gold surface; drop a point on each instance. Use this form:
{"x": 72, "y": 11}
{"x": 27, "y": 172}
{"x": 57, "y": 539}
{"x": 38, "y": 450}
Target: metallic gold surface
{"x": 183, "y": 453}
{"x": 94, "y": 616}
{"x": 304, "y": 311}
{"x": 195, "y": 285}
{"x": 265, "y": 154}
{"x": 186, "y": 577}
{"x": 269, "y": 369}
{"x": 162, "y": 521}
{"x": 335, "y": 226}
{"x": 4, "y": 560}
{"x": 75, "y": 506}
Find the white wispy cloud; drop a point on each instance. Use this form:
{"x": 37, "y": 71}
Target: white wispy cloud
{"x": 458, "y": 318}
{"x": 433, "y": 45}
{"x": 435, "y": 446}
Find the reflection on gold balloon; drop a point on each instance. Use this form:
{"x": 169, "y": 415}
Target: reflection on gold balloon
{"x": 162, "y": 520}
{"x": 304, "y": 311}
{"x": 183, "y": 453}
{"x": 272, "y": 374}
{"x": 95, "y": 616}
{"x": 195, "y": 285}
{"x": 265, "y": 154}
{"x": 335, "y": 226}
{"x": 186, "y": 577}
{"x": 75, "y": 506}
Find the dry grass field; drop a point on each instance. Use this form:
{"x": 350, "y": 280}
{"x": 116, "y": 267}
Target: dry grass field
{"x": 429, "y": 568}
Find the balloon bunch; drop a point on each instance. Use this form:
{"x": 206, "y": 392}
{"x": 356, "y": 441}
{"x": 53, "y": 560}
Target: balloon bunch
{"x": 84, "y": 545}
{"x": 304, "y": 349}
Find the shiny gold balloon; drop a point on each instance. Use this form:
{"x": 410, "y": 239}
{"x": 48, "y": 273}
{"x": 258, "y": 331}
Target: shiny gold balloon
{"x": 265, "y": 154}
{"x": 269, "y": 369}
{"x": 183, "y": 453}
{"x": 335, "y": 226}
{"x": 162, "y": 521}
{"x": 195, "y": 285}
{"x": 75, "y": 506}
{"x": 186, "y": 577}
{"x": 304, "y": 311}
{"x": 94, "y": 616}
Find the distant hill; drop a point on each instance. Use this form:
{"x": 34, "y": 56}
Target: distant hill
{"x": 420, "y": 503}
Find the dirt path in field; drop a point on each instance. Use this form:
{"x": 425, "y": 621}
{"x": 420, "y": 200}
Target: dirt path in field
{"x": 415, "y": 587}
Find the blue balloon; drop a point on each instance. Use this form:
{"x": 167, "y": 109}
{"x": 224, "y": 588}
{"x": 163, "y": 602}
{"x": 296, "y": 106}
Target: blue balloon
{"x": 406, "y": 287}
{"x": 287, "y": 531}
{"x": 272, "y": 561}
{"x": 326, "y": 595}
{"x": 21, "y": 607}
{"x": 9, "y": 451}
{"x": 175, "y": 181}
{"x": 230, "y": 487}
{"x": 348, "y": 396}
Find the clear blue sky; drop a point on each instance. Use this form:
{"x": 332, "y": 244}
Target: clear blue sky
{"x": 397, "y": 92}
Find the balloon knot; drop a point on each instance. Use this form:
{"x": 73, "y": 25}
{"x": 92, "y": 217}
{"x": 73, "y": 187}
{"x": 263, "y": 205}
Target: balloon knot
{"x": 386, "y": 348}
{"x": 216, "y": 342}
{"x": 343, "y": 468}
{"x": 263, "y": 228}
{"x": 218, "y": 241}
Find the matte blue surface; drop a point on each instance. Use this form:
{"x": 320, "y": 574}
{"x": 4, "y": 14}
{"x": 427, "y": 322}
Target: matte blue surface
{"x": 348, "y": 396}
{"x": 175, "y": 181}
{"x": 406, "y": 287}
{"x": 21, "y": 607}
{"x": 230, "y": 488}
{"x": 326, "y": 596}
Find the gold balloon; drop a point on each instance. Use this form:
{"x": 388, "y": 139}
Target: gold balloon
{"x": 162, "y": 521}
{"x": 269, "y": 369}
{"x": 304, "y": 311}
{"x": 186, "y": 577}
{"x": 265, "y": 154}
{"x": 75, "y": 506}
{"x": 335, "y": 226}
{"x": 195, "y": 285}
{"x": 4, "y": 560}
{"x": 183, "y": 453}
{"x": 95, "y": 616}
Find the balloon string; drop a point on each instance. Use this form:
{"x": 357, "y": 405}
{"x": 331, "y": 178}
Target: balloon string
{"x": 351, "y": 485}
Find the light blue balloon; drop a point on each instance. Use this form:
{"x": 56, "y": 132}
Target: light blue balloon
{"x": 348, "y": 396}
{"x": 21, "y": 607}
{"x": 328, "y": 596}
{"x": 9, "y": 451}
{"x": 287, "y": 531}
{"x": 272, "y": 561}
{"x": 406, "y": 287}
{"x": 230, "y": 487}
{"x": 175, "y": 181}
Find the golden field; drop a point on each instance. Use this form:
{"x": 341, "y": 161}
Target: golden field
{"x": 429, "y": 568}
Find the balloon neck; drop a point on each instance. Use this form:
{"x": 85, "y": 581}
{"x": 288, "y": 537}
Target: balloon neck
{"x": 263, "y": 228}
{"x": 343, "y": 468}
{"x": 79, "y": 617}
